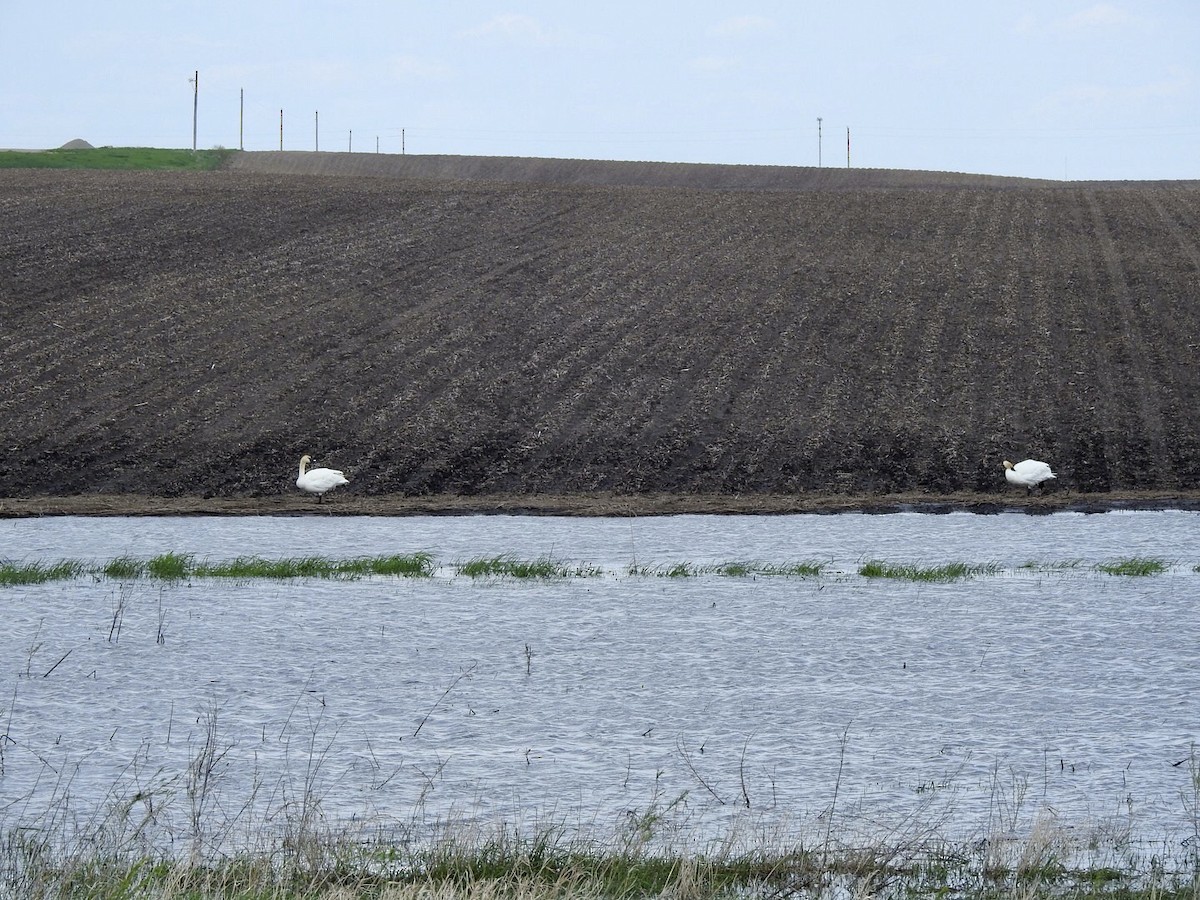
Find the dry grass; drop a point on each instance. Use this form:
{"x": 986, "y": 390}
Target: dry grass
{"x": 134, "y": 848}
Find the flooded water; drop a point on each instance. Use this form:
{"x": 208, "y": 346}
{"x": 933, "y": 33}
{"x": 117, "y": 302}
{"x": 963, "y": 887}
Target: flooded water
{"x": 1045, "y": 688}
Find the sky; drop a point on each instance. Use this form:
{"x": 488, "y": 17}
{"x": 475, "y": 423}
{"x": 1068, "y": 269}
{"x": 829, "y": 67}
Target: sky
{"x": 1094, "y": 89}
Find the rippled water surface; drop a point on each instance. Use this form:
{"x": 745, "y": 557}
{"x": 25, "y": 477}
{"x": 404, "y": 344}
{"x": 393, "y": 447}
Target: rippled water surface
{"x": 967, "y": 707}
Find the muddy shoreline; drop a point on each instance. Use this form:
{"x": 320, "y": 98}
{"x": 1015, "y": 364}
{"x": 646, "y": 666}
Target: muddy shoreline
{"x": 100, "y": 505}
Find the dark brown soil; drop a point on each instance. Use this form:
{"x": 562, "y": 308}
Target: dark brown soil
{"x": 741, "y": 340}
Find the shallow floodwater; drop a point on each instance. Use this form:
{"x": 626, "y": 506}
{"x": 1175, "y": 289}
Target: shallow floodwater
{"x": 959, "y": 709}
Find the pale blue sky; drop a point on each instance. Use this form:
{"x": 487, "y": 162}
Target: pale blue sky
{"x": 1040, "y": 88}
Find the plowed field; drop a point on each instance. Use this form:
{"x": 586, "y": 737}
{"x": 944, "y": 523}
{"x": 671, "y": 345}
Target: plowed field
{"x": 189, "y": 336}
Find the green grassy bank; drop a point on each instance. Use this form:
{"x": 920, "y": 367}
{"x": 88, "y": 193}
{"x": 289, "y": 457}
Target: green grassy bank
{"x": 140, "y": 158}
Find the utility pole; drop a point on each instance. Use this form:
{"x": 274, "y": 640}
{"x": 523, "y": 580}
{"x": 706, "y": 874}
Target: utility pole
{"x": 316, "y": 131}
{"x": 401, "y": 141}
{"x": 281, "y": 129}
{"x": 241, "y": 117}
{"x": 818, "y": 142}
{"x": 195, "y": 107}
{"x": 376, "y": 145}
{"x": 847, "y": 146}
{"x": 350, "y": 145}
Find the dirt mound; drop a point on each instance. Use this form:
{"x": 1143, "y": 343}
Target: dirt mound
{"x": 77, "y": 144}
{"x": 191, "y": 335}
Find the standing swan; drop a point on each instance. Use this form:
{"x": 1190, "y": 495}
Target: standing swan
{"x": 1028, "y": 473}
{"x": 318, "y": 481}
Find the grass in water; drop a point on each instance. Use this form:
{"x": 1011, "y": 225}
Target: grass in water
{"x": 246, "y": 567}
{"x": 170, "y": 566}
{"x": 1062, "y": 566}
{"x": 733, "y": 569}
{"x": 132, "y": 846}
{"x": 16, "y": 574}
{"x": 180, "y": 566}
{"x": 750, "y": 569}
{"x": 416, "y": 565}
{"x": 132, "y": 158}
{"x": 545, "y": 865}
{"x": 908, "y": 572}
{"x": 1134, "y": 565}
{"x": 123, "y": 568}
{"x": 681, "y": 570}
{"x": 670, "y": 570}
{"x": 510, "y": 567}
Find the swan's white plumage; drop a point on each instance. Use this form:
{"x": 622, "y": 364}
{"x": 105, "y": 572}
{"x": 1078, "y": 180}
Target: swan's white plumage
{"x": 318, "y": 481}
{"x": 1028, "y": 473}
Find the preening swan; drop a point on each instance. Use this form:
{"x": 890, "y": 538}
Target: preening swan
{"x": 1028, "y": 473}
{"x": 318, "y": 481}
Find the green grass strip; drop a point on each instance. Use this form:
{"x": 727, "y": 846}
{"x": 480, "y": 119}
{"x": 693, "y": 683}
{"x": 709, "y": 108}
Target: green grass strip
{"x": 16, "y": 574}
{"x": 416, "y": 565}
{"x": 934, "y": 574}
{"x": 170, "y": 566}
{"x": 1134, "y": 566}
{"x": 511, "y": 567}
{"x": 128, "y": 158}
{"x": 247, "y": 567}
{"x": 181, "y": 566}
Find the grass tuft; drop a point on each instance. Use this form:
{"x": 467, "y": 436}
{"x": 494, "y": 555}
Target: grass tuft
{"x": 681, "y": 570}
{"x": 671, "y": 570}
{"x": 123, "y": 568}
{"x": 170, "y": 566}
{"x": 1135, "y": 566}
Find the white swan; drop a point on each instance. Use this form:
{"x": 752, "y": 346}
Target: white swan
{"x": 1028, "y": 473}
{"x": 318, "y": 481}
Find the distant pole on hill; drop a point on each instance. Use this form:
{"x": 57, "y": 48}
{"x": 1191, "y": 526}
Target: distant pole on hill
{"x": 195, "y": 107}
{"x": 847, "y": 147}
{"x": 818, "y": 142}
{"x": 350, "y": 142}
{"x": 281, "y": 129}
{"x": 401, "y": 141}
{"x": 241, "y": 118}
{"x": 316, "y": 130}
